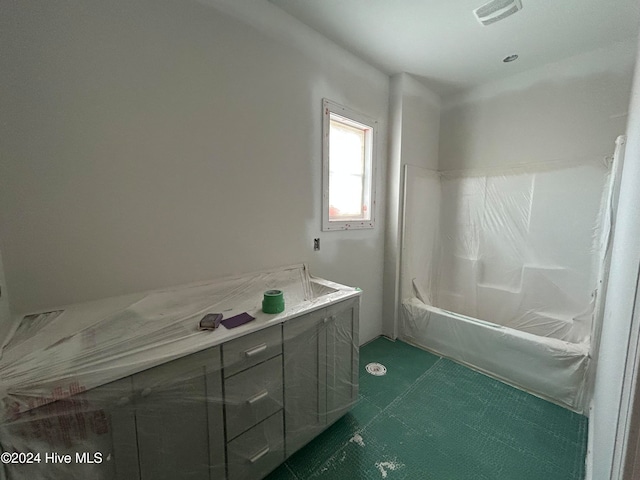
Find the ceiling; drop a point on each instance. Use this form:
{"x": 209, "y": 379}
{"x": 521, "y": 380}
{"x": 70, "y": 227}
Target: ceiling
{"x": 441, "y": 41}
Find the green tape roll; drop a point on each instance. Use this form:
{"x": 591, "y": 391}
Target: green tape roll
{"x": 273, "y": 301}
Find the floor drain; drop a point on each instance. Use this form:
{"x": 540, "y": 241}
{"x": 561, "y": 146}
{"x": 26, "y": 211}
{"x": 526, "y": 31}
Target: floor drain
{"x": 376, "y": 369}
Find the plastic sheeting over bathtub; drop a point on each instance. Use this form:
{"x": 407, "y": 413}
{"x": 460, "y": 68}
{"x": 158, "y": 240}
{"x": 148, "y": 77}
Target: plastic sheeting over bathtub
{"x": 551, "y": 368}
{"x": 522, "y": 248}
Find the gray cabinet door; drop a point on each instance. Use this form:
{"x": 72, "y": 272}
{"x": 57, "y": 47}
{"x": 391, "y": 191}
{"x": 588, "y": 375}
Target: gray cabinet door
{"x": 179, "y": 422}
{"x": 96, "y": 428}
{"x": 215, "y": 415}
{"x": 117, "y": 399}
{"x": 304, "y": 378}
{"x": 342, "y": 358}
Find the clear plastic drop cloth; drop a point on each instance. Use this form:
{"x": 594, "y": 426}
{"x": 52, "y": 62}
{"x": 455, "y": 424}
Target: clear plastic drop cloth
{"x": 521, "y": 248}
{"x": 546, "y": 366}
{"x": 130, "y": 387}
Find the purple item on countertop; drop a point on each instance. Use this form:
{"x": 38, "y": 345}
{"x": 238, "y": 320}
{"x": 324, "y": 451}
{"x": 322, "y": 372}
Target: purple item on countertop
{"x": 237, "y": 320}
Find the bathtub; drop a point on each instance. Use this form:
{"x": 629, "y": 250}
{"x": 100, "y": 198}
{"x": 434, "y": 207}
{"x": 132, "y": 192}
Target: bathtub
{"x": 547, "y": 367}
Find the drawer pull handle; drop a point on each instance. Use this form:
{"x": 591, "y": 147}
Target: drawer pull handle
{"x": 123, "y": 401}
{"x": 255, "y": 350}
{"x": 146, "y": 392}
{"x": 259, "y": 455}
{"x": 256, "y": 398}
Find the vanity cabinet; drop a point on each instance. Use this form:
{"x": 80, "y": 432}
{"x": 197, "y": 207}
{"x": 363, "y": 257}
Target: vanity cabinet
{"x": 305, "y": 346}
{"x": 165, "y": 422}
{"x": 162, "y": 423}
{"x": 114, "y": 403}
{"x": 320, "y": 370}
{"x": 233, "y": 411}
{"x": 179, "y": 422}
{"x": 342, "y": 358}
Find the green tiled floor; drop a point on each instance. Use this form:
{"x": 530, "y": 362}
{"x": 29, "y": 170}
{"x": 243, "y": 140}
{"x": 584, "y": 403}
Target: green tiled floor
{"x": 432, "y": 419}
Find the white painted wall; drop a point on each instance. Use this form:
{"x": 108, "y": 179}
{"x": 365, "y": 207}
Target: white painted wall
{"x": 420, "y": 124}
{"x": 622, "y": 291}
{"x": 414, "y": 138}
{"x": 391, "y": 289}
{"x": 158, "y": 142}
{"x": 570, "y": 110}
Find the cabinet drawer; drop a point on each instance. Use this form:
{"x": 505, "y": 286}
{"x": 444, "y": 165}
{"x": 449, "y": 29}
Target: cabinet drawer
{"x": 244, "y": 352}
{"x": 258, "y": 451}
{"x": 253, "y": 395}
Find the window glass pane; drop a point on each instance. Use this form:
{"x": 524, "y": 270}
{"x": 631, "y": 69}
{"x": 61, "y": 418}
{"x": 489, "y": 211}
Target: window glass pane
{"x": 346, "y": 171}
{"x": 345, "y": 197}
{"x": 346, "y": 149}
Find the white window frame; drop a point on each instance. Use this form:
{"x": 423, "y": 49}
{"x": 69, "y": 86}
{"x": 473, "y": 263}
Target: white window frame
{"x": 328, "y": 108}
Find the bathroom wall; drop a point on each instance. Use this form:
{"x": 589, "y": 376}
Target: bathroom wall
{"x": 158, "y": 142}
{"x": 617, "y": 362}
{"x": 414, "y": 139}
{"x": 571, "y": 110}
{"x": 420, "y": 124}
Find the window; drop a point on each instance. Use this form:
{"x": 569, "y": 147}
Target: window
{"x": 348, "y": 168}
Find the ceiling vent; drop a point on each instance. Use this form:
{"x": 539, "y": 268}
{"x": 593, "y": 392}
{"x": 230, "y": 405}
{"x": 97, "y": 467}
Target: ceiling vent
{"x": 496, "y": 10}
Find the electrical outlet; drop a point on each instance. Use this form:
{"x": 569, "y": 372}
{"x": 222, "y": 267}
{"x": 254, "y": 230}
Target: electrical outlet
{"x": 316, "y": 244}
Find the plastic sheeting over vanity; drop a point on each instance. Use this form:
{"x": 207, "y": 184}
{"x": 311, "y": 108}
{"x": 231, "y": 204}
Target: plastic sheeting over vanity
{"x": 129, "y": 387}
